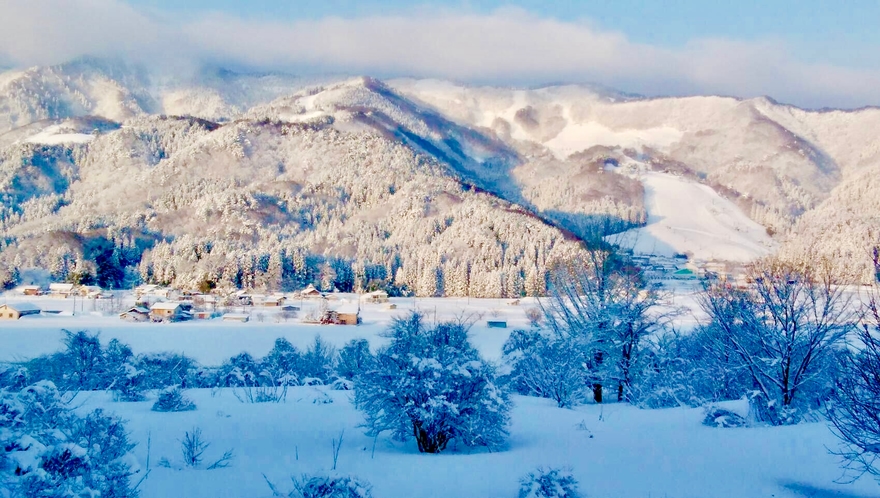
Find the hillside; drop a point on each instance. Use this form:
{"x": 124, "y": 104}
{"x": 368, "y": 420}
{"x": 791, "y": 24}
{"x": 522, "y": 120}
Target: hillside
{"x": 793, "y": 171}
{"x": 341, "y": 200}
{"x": 224, "y": 179}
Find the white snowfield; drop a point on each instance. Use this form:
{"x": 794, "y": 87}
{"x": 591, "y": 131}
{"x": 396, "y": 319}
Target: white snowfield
{"x": 688, "y": 217}
{"x": 56, "y": 134}
{"x": 614, "y": 450}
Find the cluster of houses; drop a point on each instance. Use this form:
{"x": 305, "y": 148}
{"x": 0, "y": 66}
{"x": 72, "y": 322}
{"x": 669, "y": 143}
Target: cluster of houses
{"x": 65, "y": 290}
{"x": 662, "y": 269}
{"x": 169, "y": 305}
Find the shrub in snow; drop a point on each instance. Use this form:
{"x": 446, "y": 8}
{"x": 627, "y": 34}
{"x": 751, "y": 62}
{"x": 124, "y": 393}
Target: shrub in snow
{"x": 192, "y": 449}
{"x": 283, "y": 362}
{"x": 128, "y": 381}
{"x": 172, "y": 399}
{"x": 545, "y": 366}
{"x": 431, "y": 384}
{"x": 548, "y": 483}
{"x": 719, "y": 417}
{"x": 330, "y": 486}
{"x": 354, "y": 358}
{"x": 13, "y": 377}
{"x": 319, "y": 361}
{"x": 47, "y": 450}
{"x": 167, "y": 369}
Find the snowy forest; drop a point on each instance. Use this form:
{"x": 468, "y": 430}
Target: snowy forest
{"x": 263, "y": 182}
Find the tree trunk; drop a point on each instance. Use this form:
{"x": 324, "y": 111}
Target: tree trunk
{"x": 597, "y": 392}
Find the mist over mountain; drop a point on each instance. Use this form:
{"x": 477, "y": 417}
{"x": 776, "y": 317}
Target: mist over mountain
{"x": 217, "y": 178}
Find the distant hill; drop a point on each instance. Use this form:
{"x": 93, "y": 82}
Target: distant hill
{"x": 223, "y": 179}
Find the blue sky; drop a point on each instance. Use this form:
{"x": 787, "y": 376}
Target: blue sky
{"x": 812, "y": 53}
{"x": 844, "y": 31}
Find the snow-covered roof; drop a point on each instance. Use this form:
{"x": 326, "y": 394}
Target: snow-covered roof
{"x": 60, "y": 287}
{"x": 347, "y": 309}
{"x": 310, "y": 289}
{"x": 169, "y": 305}
{"x": 138, "y": 309}
{"x": 22, "y": 307}
{"x": 30, "y": 287}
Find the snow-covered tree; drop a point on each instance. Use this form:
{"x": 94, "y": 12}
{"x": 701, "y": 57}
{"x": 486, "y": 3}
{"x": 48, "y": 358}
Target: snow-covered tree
{"x": 431, "y": 384}
{"x": 783, "y": 330}
{"x": 47, "y": 449}
{"x": 599, "y": 303}
{"x": 546, "y": 365}
{"x": 855, "y": 405}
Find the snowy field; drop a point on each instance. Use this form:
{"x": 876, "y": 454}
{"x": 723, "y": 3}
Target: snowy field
{"x": 614, "y": 450}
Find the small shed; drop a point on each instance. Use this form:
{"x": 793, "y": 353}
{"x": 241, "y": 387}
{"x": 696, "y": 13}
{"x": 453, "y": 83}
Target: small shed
{"x": 378, "y": 296}
{"x": 14, "y": 311}
{"x": 31, "y": 290}
{"x": 272, "y": 301}
{"x": 203, "y": 315}
{"x": 61, "y": 290}
{"x": 496, "y": 324}
{"x": 236, "y": 317}
{"x": 136, "y": 314}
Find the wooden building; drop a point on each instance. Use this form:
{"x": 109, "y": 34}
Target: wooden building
{"x": 14, "y": 311}
{"x": 61, "y": 289}
{"x": 31, "y": 290}
{"x": 136, "y": 314}
{"x": 169, "y": 311}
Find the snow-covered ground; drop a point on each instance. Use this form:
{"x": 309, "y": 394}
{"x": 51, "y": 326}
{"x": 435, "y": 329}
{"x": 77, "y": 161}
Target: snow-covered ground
{"x": 615, "y": 451}
{"x": 213, "y": 341}
{"x": 56, "y": 134}
{"x": 688, "y": 217}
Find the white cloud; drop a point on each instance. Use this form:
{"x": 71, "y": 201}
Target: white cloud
{"x": 508, "y": 46}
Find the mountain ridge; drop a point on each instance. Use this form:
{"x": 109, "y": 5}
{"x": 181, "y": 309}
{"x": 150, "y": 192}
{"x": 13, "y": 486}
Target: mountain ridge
{"x": 564, "y": 156}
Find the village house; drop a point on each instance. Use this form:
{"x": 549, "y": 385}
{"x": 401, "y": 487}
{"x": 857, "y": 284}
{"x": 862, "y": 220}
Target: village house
{"x": 61, "y": 290}
{"x": 169, "y": 311}
{"x": 32, "y": 290}
{"x": 14, "y": 311}
{"x": 310, "y": 292}
{"x": 344, "y": 315}
{"x": 136, "y": 314}
{"x": 90, "y": 291}
{"x": 273, "y": 301}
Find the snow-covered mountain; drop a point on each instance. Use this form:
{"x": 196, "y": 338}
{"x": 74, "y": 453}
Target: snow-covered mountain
{"x": 273, "y": 180}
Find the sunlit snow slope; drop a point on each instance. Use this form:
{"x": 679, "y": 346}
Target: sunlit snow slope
{"x": 689, "y": 217}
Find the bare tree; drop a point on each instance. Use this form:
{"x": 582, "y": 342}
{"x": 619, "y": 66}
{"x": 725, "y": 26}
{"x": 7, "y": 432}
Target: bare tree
{"x": 599, "y": 302}
{"x": 855, "y": 407}
{"x": 781, "y": 329}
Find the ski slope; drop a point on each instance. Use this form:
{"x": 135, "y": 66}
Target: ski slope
{"x": 688, "y": 217}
